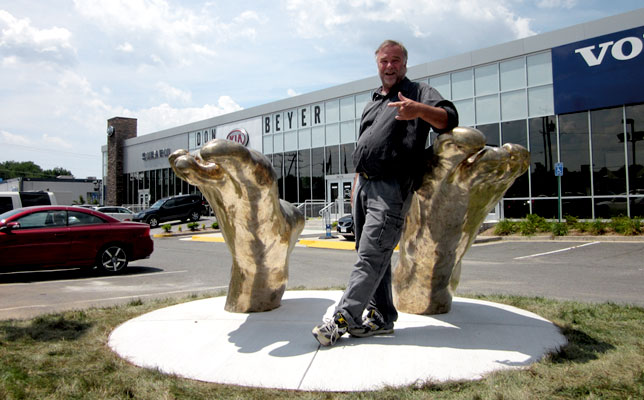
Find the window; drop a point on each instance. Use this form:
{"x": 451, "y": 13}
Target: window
{"x": 541, "y": 101}
{"x": 539, "y": 69}
{"x": 441, "y": 83}
{"x": 361, "y": 102}
{"x": 332, "y": 111}
{"x": 79, "y": 218}
{"x": 462, "y": 84}
{"x": 43, "y": 219}
{"x": 487, "y": 109}
{"x": 486, "y": 79}
{"x": 514, "y": 105}
{"x": 516, "y": 132}
{"x": 465, "y": 112}
{"x": 512, "y": 74}
{"x": 609, "y": 176}
{"x": 347, "y": 109}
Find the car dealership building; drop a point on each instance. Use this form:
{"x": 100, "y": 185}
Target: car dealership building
{"x": 574, "y": 97}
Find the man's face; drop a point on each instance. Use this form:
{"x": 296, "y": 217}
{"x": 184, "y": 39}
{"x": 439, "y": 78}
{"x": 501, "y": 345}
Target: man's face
{"x": 392, "y": 66}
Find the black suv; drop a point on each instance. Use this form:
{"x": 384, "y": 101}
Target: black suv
{"x": 185, "y": 207}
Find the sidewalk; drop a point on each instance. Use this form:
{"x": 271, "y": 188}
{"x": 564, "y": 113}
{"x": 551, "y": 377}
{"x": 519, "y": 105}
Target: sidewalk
{"x": 315, "y": 235}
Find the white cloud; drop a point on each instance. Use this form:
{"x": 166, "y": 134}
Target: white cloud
{"x": 557, "y": 4}
{"x": 125, "y": 47}
{"x": 10, "y": 138}
{"x": 292, "y": 93}
{"x": 20, "y": 40}
{"x": 164, "y": 116}
{"x": 458, "y": 25}
{"x": 173, "y": 93}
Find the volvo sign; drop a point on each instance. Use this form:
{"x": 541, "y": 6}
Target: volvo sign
{"x": 605, "y": 71}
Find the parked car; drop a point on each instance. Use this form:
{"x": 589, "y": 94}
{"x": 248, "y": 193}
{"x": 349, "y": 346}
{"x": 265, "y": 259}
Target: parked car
{"x": 345, "y": 227}
{"x": 48, "y": 236}
{"x": 120, "y": 213}
{"x": 185, "y": 207}
{"x": 11, "y": 200}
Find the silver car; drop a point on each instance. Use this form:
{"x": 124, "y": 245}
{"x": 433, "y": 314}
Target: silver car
{"x": 120, "y": 213}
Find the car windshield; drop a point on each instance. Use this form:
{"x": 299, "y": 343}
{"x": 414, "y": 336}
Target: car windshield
{"x": 158, "y": 203}
{"x": 9, "y": 213}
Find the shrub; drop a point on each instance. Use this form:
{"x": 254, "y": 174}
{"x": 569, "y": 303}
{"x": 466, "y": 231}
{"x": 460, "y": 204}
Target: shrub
{"x": 571, "y": 221}
{"x": 193, "y": 226}
{"x": 625, "y": 226}
{"x": 505, "y": 227}
{"x": 215, "y": 225}
{"x": 597, "y": 227}
{"x": 167, "y": 228}
{"x": 527, "y": 228}
{"x": 559, "y": 228}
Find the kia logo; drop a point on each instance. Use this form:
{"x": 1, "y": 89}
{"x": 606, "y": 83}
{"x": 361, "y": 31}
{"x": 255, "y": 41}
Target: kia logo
{"x": 618, "y": 51}
{"x": 238, "y": 135}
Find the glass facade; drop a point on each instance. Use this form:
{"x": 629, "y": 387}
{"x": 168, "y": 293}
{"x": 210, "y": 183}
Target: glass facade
{"x": 510, "y": 101}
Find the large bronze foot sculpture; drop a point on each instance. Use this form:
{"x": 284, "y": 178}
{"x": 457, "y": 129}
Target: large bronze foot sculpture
{"x": 465, "y": 181}
{"x": 259, "y": 228}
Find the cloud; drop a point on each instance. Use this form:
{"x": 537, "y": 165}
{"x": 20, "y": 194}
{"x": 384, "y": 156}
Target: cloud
{"x": 173, "y": 93}
{"x": 165, "y": 33}
{"x": 125, "y": 47}
{"x": 557, "y": 4}
{"x": 459, "y": 25}
{"x": 20, "y": 40}
{"x": 292, "y": 93}
{"x": 164, "y": 116}
{"x": 10, "y": 138}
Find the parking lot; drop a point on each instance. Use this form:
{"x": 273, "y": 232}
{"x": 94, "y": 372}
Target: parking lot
{"x": 589, "y": 271}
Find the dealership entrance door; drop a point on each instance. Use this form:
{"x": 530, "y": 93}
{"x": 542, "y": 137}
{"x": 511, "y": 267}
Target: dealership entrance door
{"x": 338, "y": 190}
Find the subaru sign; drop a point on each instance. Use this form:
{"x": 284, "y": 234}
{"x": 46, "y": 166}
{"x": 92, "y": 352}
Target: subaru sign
{"x": 605, "y": 71}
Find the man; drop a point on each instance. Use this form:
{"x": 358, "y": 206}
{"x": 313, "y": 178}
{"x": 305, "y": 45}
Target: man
{"x": 389, "y": 164}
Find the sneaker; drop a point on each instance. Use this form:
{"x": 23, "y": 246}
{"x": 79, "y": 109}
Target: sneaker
{"x": 372, "y": 324}
{"x": 331, "y": 330}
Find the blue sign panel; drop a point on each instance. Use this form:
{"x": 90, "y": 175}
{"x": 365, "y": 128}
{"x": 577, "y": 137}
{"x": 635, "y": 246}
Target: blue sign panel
{"x": 601, "y": 72}
{"x": 559, "y": 169}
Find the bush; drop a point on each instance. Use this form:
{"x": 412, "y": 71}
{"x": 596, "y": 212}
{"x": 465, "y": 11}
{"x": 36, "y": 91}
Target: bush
{"x": 533, "y": 224}
{"x": 505, "y": 227}
{"x": 597, "y": 227}
{"x": 215, "y": 225}
{"x": 193, "y": 226}
{"x": 559, "y": 228}
{"x": 166, "y": 228}
{"x": 571, "y": 221}
{"x": 625, "y": 226}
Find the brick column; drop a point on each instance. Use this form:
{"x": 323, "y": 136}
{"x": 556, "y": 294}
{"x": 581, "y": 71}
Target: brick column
{"x": 124, "y": 128}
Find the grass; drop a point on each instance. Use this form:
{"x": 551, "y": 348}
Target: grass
{"x": 65, "y": 356}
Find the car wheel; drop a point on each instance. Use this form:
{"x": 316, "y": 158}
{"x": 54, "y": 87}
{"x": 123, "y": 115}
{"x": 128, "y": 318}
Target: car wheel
{"x": 112, "y": 259}
{"x": 195, "y": 215}
{"x": 153, "y": 221}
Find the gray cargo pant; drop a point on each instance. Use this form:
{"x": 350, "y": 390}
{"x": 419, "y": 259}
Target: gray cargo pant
{"x": 379, "y": 209}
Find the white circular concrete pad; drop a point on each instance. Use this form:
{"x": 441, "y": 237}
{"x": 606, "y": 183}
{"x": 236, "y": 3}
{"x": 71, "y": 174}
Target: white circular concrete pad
{"x": 275, "y": 349}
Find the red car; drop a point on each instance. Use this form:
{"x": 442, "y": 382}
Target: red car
{"x": 46, "y": 236}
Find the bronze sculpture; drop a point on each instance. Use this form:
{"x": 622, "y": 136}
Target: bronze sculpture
{"x": 259, "y": 228}
{"x": 465, "y": 180}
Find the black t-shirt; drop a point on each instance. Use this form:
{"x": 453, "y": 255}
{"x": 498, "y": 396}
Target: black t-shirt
{"x": 388, "y": 147}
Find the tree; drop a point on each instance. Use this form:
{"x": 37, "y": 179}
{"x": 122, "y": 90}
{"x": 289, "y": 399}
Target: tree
{"x": 58, "y": 171}
{"x": 28, "y": 169}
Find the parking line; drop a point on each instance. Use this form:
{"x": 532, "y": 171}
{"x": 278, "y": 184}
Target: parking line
{"x": 137, "y": 296}
{"x": 555, "y": 251}
{"x": 94, "y": 278}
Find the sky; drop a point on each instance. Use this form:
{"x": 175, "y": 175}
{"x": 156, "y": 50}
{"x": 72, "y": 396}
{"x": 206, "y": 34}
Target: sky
{"x": 66, "y": 66}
